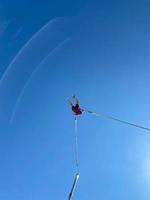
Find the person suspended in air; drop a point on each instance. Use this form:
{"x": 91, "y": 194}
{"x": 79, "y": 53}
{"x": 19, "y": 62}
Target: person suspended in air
{"x": 75, "y": 108}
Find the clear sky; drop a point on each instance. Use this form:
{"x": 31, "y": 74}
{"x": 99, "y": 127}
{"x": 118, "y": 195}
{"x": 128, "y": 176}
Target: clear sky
{"x": 97, "y": 50}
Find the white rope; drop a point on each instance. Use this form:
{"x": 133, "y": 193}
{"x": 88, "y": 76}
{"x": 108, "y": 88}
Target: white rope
{"x": 76, "y": 160}
{"x": 118, "y": 120}
{"x": 76, "y": 145}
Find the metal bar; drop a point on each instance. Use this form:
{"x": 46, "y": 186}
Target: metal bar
{"x": 73, "y": 186}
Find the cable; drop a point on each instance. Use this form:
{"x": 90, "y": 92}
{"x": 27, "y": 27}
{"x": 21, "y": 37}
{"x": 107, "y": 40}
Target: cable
{"x": 115, "y": 119}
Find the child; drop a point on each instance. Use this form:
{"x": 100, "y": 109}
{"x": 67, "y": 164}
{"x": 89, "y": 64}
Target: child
{"x": 75, "y": 108}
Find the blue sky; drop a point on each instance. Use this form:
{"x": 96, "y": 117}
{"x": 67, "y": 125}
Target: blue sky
{"x": 50, "y": 50}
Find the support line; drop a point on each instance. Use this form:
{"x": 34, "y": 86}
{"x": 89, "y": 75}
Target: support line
{"x": 76, "y": 145}
{"x": 116, "y": 119}
{"x": 76, "y": 160}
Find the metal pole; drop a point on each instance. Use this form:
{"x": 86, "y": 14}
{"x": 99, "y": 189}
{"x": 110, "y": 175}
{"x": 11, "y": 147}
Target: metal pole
{"x": 73, "y": 186}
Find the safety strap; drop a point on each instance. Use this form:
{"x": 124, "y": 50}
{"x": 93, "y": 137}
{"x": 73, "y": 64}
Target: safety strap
{"x": 115, "y": 119}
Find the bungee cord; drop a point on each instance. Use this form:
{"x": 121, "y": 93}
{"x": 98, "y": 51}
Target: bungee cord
{"x": 76, "y": 145}
{"x": 76, "y": 159}
{"x": 116, "y": 119}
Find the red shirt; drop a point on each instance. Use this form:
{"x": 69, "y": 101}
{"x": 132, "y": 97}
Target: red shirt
{"x": 77, "y": 111}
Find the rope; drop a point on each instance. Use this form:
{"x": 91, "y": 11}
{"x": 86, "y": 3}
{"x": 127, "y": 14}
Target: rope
{"x": 118, "y": 120}
{"x": 76, "y": 160}
{"x": 76, "y": 145}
